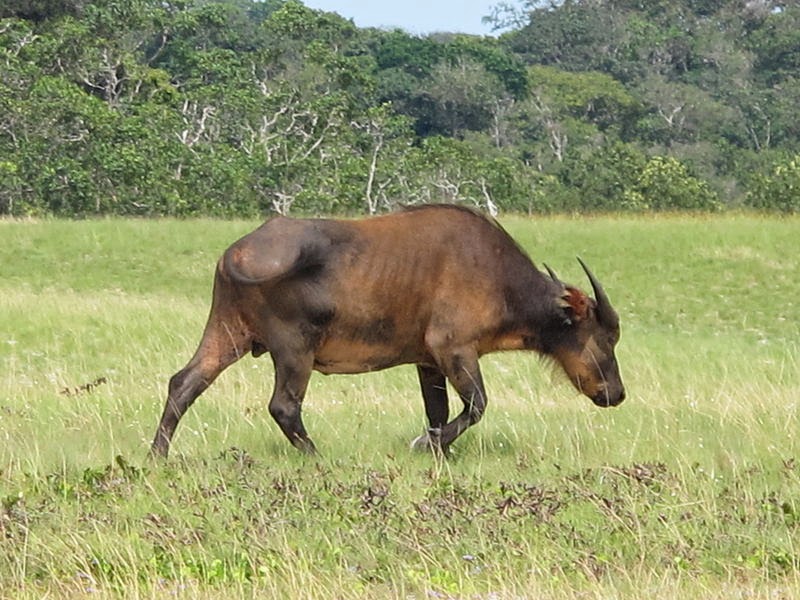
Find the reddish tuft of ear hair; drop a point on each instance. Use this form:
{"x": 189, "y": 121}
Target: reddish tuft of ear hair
{"x": 577, "y": 302}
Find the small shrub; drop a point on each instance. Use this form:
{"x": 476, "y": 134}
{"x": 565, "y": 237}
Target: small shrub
{"x": 779, "y": 190}
{"x": 666, "y": 184}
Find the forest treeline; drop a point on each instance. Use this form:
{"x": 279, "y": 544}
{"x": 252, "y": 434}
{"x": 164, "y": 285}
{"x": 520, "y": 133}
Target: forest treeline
{"x": 238, "y": 107}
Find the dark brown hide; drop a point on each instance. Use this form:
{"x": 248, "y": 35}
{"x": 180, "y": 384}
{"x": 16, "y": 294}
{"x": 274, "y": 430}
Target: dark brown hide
{"x": 436, "y": 286}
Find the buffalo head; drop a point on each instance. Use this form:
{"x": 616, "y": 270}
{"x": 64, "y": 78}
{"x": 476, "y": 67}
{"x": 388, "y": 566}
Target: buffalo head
{"x": 584, "y": 344}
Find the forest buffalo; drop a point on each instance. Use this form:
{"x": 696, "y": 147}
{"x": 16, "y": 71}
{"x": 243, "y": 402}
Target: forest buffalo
{"x": 436, "y": 286}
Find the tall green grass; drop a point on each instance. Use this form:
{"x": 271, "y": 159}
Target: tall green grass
{"x": 691, "y": 488}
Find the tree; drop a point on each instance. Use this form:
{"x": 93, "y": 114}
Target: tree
{"x": 776, "y": 45}
{"x": 573, "y": 35}
{"x": 463, "y": 95}
{"x": 677, "y": 112}
{"x": 41, "y": 10}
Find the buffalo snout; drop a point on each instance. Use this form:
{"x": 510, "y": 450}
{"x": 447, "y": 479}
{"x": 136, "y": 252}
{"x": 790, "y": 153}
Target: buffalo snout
{"x": 605, "y": 398}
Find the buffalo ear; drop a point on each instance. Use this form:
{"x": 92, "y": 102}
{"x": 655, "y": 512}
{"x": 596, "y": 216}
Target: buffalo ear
{"x": 575, "y": 303}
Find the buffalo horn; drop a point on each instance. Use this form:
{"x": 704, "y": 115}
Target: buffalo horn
{"x": 605, "y": 312}
{"x": 553, "y": 276}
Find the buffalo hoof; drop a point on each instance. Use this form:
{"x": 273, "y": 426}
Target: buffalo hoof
{"x": 430, "y": 441}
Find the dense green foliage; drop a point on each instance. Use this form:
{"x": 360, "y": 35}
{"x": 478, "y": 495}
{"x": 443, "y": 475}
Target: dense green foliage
{"x": 241, "y": 107}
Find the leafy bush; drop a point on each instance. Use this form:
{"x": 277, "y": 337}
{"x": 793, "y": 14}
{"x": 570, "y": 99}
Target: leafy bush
{"x": 666, "y": 184}
{"x": 778, "y": 190}
{"x": 601, "y": 179}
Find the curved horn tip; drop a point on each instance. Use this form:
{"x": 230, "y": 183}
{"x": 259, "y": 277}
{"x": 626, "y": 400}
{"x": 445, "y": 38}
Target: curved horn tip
{"x": 588, "y": 272}
{"x": 552, "y": 274}
{"x": 607, "y": 312}
{"x": 583, "y": 264}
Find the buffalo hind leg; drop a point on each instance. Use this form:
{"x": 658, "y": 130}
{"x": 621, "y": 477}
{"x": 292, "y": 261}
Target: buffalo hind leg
{"x": 434, "y": 394}
{"x": 219, "y": 348}
{"x": 292, "y": 372}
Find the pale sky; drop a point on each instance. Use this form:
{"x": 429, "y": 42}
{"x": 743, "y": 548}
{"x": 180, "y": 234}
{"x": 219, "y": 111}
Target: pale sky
{"x": 414, "y": 16}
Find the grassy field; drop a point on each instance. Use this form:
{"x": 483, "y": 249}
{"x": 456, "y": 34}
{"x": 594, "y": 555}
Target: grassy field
{"x": 691, "y": 488}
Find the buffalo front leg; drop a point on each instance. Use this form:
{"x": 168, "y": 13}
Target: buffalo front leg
{"x": 463, "y": 372}
{"x": 434, "y": 394}
{"x": 292, "y": 372}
